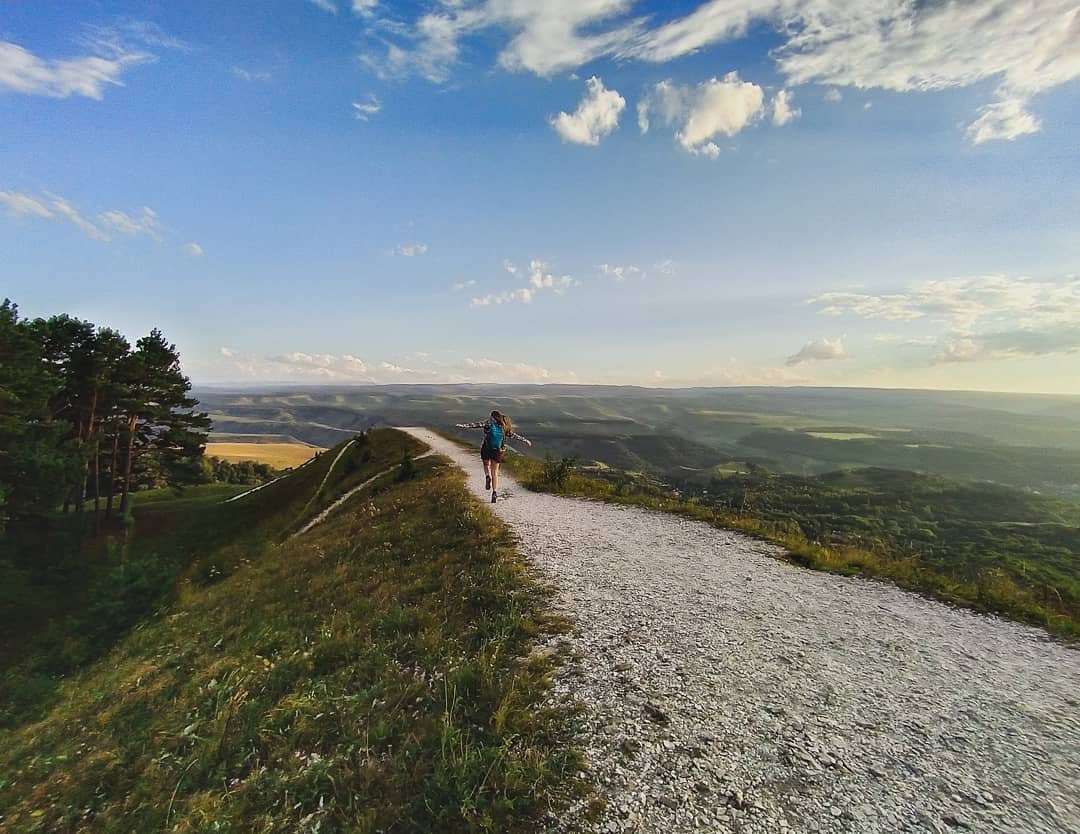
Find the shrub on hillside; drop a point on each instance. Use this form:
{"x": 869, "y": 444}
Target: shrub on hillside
{"x": 557, "y": 472}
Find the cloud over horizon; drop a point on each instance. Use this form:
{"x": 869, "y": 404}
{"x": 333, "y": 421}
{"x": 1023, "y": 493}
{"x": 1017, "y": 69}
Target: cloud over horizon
{"x": 988, "y": 317}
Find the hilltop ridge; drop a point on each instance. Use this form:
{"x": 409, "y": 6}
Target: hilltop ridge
{"x": 363, "y": 676}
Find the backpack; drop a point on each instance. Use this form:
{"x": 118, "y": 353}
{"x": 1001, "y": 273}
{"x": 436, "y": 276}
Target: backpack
{"x": 494, "y": 434}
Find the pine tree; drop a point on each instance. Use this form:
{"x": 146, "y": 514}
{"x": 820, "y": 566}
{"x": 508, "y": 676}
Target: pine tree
{"x": 157, "y": 408}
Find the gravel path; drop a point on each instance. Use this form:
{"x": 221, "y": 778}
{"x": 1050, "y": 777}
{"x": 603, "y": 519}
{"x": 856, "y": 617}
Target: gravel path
{"x": 730, "y": 691}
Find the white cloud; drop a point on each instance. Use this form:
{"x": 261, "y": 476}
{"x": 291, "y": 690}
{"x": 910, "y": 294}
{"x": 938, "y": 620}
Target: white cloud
{"x": 523, "y": 295}
{"x": 364, "y": 8}
{"x": 988, "y": 317}
{"x": 834, "y": 95}
{"x": 410, "y": 250}
{"x": 597, "y": 115}
{"x": 23, "y": 72}
{"x": 193, "y": 249}
{"x": 462, "y": 285}
{"x": 325, "y": 5}
{"x": 250, "y": 75}
{"x": 302, "y": 367}
{"x": 619, "y": 273}
{"x": 538, "y": 279}
{"x": 819, "y": 350}
{"x": 144, "y": 223}
{"x": 24, "y": 204}
{"x": 104, "y": 226}
{"x": 364, "y": 110}
{"x": 712, "y": 108}
{"x": 64, "y": 209}
{"x": 782, "y": 111}
{"x": 492, "y": 370}
{"x": 1006, "y": 119}
{"x": 666, "y": 267}
{"x": 117, "y": 38}
{"x": 1027, "y": 47}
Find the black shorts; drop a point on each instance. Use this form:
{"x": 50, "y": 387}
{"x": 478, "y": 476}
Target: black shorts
{"x": 490, "y": 453}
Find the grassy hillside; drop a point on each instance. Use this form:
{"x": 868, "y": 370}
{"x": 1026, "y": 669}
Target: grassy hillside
{"x": 367, "y": 675}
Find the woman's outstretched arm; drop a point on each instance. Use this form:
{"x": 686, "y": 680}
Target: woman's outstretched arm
{"x": 479, "y": 424}
{"x": 515, "y": 436}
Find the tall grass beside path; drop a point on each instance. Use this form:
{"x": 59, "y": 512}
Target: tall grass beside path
{"x": 372, "y": 675}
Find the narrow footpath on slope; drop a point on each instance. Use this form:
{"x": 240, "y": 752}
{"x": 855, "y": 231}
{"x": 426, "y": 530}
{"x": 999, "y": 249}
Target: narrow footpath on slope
{"x": 730, "y": 691}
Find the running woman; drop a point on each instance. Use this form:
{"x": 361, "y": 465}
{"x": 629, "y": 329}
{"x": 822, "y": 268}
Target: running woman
{"x": 497, "y": 430}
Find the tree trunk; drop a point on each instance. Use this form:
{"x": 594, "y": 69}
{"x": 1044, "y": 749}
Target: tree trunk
{"x": 125, "y": 497}
{"x": 112, "y": 472}
{"x": 80, "y": 498}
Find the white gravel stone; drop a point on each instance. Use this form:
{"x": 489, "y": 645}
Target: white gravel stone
{"x": 764, "y": 670}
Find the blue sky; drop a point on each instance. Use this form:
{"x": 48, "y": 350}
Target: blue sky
{"x": 712, "y": 192}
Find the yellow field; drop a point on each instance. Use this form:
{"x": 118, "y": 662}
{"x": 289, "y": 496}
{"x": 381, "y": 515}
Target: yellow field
{"x": 278, "y": 455}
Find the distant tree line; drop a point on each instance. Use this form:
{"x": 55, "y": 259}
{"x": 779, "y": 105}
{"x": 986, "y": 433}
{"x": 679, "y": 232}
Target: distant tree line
{"x": 237, "y": 472}
{"x": 85, "y": 418}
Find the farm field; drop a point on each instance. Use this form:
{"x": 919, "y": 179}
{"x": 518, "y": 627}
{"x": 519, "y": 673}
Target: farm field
{"x": 277, "y": 455}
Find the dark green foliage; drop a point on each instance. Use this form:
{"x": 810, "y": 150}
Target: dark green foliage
{"x": 123, "y": 596}
{"x": 249, "y": 472}
{"x": 406, "y": 469}
{"x": 82, "y": 414}
{"x": 557, "y": 472}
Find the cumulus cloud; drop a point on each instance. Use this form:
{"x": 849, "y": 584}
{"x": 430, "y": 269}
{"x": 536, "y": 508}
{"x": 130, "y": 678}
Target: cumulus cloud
{"x": 1025, "y": 47}
{"x": 410, "y": 250}
{"x": 596, "y": 116}
{"x": 364, "y": 110}
{"x": 782, "y": 110}
{"x": 538, "y": 279}
{"x": 712, "y": 108}
{"x": 986, "y": 317}
{"x": 22, "y": 71}
{"x": 193, "y": 249}
{"x": 819, "y": 350}
{"x": 834, "y": 95}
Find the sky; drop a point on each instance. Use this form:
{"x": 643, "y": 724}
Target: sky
{"x": 695, "y": 192}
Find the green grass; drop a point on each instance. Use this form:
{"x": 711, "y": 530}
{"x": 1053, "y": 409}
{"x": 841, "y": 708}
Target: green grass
{"x": 373, "y": 674}
{"x": 1004, "y": 587}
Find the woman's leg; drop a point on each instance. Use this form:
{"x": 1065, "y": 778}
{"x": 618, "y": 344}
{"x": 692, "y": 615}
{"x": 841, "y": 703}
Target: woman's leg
{"x": 494, "y": 475}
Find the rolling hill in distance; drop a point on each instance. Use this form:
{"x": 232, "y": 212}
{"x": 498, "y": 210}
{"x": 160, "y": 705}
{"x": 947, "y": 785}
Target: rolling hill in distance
{"x": 1029, "y": 442}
